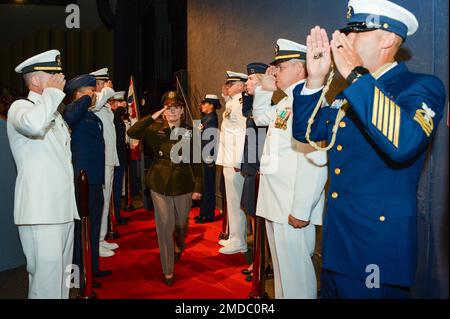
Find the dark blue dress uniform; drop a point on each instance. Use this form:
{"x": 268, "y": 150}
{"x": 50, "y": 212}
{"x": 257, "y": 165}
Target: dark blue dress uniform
{"x": 208, "y": 203}
{"x": 119, "y": 171}
{"x": 252, "y": 148}
{"x": 251, "y": 158}
{"x": 375, "y": 166}
{"x": 88, "y": 154}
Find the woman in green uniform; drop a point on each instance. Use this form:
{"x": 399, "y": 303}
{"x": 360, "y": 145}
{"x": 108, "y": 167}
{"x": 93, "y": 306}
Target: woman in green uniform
{"x": 173, "y": 179}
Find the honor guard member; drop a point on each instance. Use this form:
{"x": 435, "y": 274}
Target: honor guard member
{"x": 88, "y": 153}
{"x": 209, "y": 128}
{"x": 44, "y": 204}
{"x": 293, "y": 176}
{"x": 104, "y": 112}
{"x": 231, "y": 149}
{"x": 254, "y": 143}
{"x": 119, "y": 107}
{"x": 378, "y": 128}
{"x": 174, "y": 179}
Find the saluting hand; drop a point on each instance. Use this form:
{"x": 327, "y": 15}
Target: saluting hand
{"x": 318, "y": 57}
{"x": 297, "y": 223}
{"x": 56, "y": 81}
{"x": 269, "y": 82}
{"x": 196, "y": 196}
{"x": 158, "y": 114}
{"x": 108, "y": 84}
{"x": 344, "y": 54}
{"x": 225, "y": 88}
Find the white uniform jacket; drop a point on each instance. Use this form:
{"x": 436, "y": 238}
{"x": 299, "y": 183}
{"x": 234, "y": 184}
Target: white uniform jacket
{"x": 293, "y": 174}
{"x": 40, "y": 144}
{"x": 232, "y": 134}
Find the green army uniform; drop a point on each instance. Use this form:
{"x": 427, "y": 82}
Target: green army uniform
{"x": 165, "y": 176}
{"x": 172, "y": 179}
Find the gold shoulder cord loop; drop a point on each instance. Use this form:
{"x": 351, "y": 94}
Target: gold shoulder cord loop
{"x": 320, "y": 103}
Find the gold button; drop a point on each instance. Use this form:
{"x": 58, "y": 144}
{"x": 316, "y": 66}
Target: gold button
{"x": 337, "y": 171}
{"x": 334, "y": 195}
{"x": 385, "y": 25}
{"x": 339, "y": 148}
{"x": 382, "y": 218}
{"x": 342, "y": 125}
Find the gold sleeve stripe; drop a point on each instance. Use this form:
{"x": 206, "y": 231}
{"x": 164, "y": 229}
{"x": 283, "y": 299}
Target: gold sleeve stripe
{"x": 376, "y": 100}
{"x": 423, "y": 122}
{"x": 391, "y": 121}
{"x": 426, "y": 126}
{"x": 386, "y": 115}
{"x": 380, "y": 112}
{"x": 397, "y": 126}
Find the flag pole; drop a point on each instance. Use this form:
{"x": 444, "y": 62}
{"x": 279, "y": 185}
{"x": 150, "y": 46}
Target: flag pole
{"x": 145, "y": 200}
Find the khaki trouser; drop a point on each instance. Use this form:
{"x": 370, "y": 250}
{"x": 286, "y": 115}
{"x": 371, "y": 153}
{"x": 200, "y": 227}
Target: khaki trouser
{"x": 171, "y": 216}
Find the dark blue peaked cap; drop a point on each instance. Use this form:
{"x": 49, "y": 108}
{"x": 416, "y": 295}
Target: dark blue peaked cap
{"x": 79, "y": 82}
{"x": 256, "y": 68}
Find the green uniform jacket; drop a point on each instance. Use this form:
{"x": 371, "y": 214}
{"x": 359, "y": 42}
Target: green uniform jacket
{"x": 166, "y": 176}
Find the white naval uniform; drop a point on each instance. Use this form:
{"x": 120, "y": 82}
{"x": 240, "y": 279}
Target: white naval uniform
{"x": 230, "y": 152}
{"x": 293, "y": 177}
{"x": 44, "y": 200}
{"x": 106, "y": 115}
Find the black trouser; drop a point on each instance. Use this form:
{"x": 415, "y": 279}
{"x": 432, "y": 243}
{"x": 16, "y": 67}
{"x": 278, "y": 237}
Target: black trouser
{"x": 208, "y": 205}
{"x": 117, "y": 189}
{"x": 95, "y": 216}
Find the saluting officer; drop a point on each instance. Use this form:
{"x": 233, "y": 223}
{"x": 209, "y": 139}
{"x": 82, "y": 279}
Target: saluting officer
{"x": 103, "y": 110}
{"x": 379, "y": 128}
{"x": 293, "y": 176}
{"x": 88, "y": 153}
{"x": 44, "y": 202}
{"x": 231, "y": 149}
{"x": 119, "y": 107}
{"x": 209, "y": 128}
{"x": 254, "y": 143}
{"x": 174, "y": 179}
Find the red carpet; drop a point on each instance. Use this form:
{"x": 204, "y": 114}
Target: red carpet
{"x": 202, "y": 273}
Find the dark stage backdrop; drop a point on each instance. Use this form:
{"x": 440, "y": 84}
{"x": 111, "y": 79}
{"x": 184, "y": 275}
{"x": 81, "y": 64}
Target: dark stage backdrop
{"x": 11, "y": 255}
{"x": 226, "y": 35}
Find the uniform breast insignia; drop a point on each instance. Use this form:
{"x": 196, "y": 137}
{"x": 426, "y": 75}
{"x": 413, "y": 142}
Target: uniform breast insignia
{"x": 227, "y": 113}
{"x": 282, "y": 119}
{"x": 425, "y": 118}
{"x": 337, "y": 104}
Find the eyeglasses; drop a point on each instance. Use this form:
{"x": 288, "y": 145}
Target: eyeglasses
{"x": 173, "y": 109}
{"x": 280, "y": 67}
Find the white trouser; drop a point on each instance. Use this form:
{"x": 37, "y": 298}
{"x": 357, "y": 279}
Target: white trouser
{"x": 234, "y": 183}
{"x": 49, "y": 252}
{"x": 107, "y": 190}
{"x": 291, "y": 251}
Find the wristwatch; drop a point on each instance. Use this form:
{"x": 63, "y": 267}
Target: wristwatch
{"x": 357, "y": 72}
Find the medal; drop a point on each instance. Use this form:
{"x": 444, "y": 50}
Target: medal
{"x": 227, "y": 113}
{"x": 282, "y": 118}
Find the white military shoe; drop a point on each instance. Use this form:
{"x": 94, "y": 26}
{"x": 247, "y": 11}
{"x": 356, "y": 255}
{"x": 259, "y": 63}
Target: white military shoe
{"x": 103, "y": 252}
{"x": 110, "y": 246}
{"x": 230, "y": 250}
